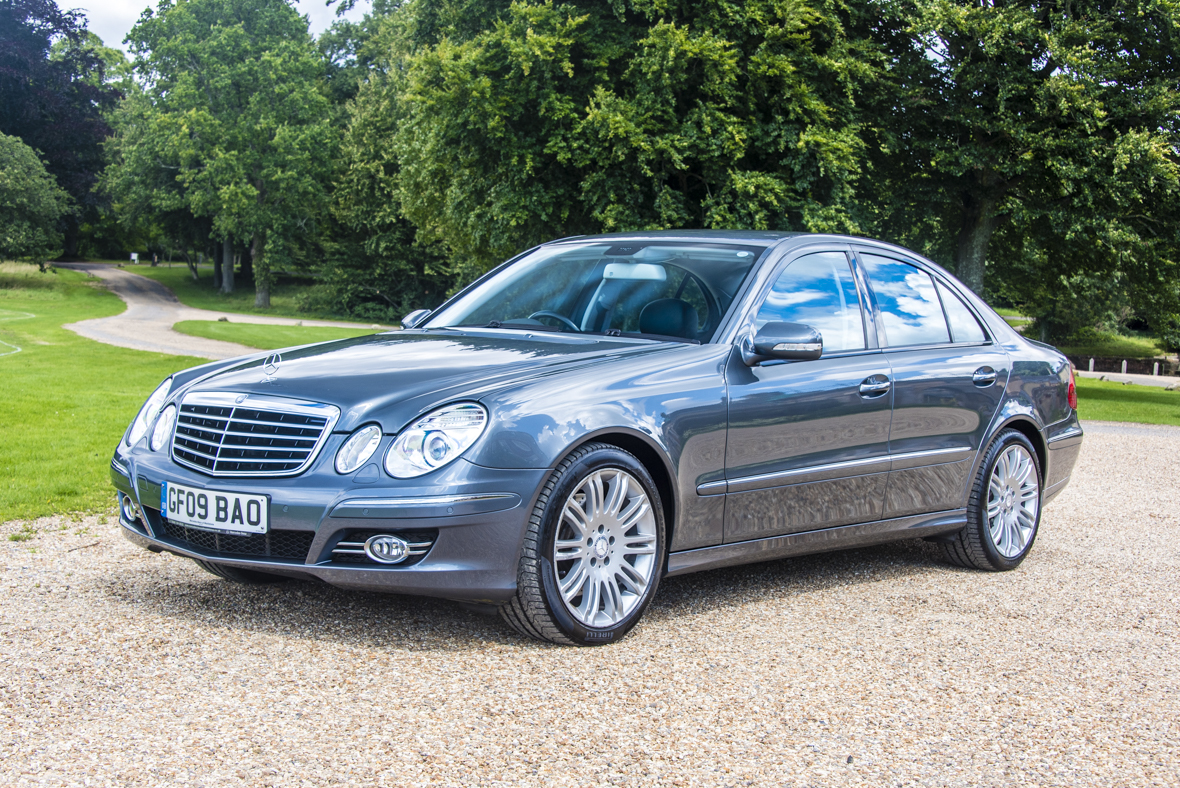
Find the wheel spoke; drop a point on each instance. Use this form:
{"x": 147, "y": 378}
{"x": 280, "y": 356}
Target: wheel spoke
{"x": 565, "y": 549}
{"x": 636, "y": 512}
{"x": 573, "y": 581}
{"x": 594, "y": 496}
{"x": 630, "y": 577}
{"x": 589, "y": 606}
{"x": 576, "y": 516}
{"x": 612, "y": 605}
{"x": 639, "y": 548}
{"x": 618, "y": 493}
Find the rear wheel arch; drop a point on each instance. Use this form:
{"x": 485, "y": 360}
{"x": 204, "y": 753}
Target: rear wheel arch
{"x": 1030, "y": 430}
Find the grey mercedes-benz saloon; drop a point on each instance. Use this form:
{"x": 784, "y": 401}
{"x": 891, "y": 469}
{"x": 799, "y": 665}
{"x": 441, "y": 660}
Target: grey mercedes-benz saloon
{"x": 601, "y": 412}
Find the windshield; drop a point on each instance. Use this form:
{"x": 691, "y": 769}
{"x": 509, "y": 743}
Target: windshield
{"x": 661, "y": 289}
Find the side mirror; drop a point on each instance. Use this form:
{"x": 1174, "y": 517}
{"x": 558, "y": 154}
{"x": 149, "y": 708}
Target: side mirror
{"x": 414, "y": 318}
{"x": 793, "y": 341}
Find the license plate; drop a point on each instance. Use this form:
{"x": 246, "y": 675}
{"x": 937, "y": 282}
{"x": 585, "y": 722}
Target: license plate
{"x": 215, "y": 509}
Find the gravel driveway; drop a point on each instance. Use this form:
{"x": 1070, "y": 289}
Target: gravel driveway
{"x": 873, "y": 667}
{"x": 152, "y": 310}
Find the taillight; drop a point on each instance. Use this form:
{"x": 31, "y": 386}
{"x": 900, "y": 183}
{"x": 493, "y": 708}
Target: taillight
{"x": 1072, "y": 394}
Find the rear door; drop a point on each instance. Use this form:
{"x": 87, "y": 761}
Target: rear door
{"x": 948, "y": 379}
{"x": 808, "y": 441}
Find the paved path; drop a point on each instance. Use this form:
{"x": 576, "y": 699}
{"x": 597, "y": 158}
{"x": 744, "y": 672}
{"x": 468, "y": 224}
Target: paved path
{"x": 152, "y": 310}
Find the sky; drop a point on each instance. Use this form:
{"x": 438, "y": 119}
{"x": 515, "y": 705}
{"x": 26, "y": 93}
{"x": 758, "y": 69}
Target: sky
{"x": 111, "y": 20}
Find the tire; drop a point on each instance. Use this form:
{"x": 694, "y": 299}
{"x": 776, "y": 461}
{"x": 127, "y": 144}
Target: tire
{"x": 1004, "y": 510}
{"x": 239, "y": 575}
{"x": 597, "y": 531}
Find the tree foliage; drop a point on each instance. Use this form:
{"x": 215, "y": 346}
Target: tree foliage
{"x": 53, "y": 94}
{"x": 1039, "y": 138}
{"x": 31, "y": 203}
{"x": 232, "y": 125}
{"x": 527, "y": 120}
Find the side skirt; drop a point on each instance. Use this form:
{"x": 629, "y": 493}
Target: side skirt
{"x": 841, "y": 538}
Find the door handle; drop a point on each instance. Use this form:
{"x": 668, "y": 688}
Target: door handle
{"x": 984, "y": 377}
{"x": 874, "y": 386}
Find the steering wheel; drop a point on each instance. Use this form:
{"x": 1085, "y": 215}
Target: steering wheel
{"x": 571, "y": 325}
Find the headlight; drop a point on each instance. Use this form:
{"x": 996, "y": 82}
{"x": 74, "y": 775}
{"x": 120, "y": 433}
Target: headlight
{"x": 358, "y": 448}
{"x": 435, "y": 439}
{"x": 148, "y": 412}
{"x": 163, "y": 427}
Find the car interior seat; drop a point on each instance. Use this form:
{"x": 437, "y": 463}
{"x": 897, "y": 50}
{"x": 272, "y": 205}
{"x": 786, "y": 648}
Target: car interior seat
{"x": 669, "y": 317}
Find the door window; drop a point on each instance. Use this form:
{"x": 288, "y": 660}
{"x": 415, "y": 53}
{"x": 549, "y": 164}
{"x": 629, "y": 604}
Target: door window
{"x": 964, "y": 326}
{"x": 910, "y": 309}
{"x": 818, "y": 290}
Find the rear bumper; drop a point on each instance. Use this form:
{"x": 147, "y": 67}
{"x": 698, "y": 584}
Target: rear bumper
{"x": 1065, "y": 444}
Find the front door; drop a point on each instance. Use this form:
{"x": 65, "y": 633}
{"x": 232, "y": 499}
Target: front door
{"x": 948, "y": 379}
{"x": 808, "y": 440}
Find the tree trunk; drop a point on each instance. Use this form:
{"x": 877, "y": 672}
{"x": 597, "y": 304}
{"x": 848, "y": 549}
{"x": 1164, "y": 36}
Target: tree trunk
{"x": 261, "y": 273}
{"x": 192, "y": 266}
{"x": 227, "y": 266}
{"x": 216, "y": 269}
{"x": 975, "y": 233}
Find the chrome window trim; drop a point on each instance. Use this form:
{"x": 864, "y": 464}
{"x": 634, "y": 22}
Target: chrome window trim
{"x": 264, "y": 402}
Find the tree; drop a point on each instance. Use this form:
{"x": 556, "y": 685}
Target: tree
{"x": 52, "y": 96}
{"x": 31, "y": 204}
{"x": 524, "y": 121}
{"x": 1037, "y": 141}
{"x": 234, "y": 117}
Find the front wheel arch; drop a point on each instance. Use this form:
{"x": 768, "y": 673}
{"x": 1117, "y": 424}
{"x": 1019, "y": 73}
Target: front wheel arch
{"x": 652, "y": 458}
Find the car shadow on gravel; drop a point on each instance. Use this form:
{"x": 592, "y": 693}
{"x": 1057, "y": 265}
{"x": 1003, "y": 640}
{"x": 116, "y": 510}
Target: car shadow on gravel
{"x": 317, "y": 611}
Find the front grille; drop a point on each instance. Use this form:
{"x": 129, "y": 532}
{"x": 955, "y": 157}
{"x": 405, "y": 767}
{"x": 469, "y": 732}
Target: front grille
{"x": 274, "y": 544}
{"x": 259, "y": 436}
{"x": 351, "y": 548}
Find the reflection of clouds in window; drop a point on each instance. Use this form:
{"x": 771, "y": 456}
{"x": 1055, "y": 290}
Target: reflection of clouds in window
{"x": 818, "y": 291}
{"x": 909, "y": 305}
{"x": 780, "y": 300}
{"x": 964, "y": 326}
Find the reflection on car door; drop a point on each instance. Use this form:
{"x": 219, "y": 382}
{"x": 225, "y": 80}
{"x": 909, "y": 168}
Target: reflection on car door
{"x": 808, "y": 440}
{"x": 948, "y": 380}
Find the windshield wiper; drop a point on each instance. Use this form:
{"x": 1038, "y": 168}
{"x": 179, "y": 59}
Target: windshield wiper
{"x": 521, "y": 326}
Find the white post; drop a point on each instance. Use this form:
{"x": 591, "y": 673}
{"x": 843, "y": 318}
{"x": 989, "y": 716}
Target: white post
{"x": 1155, "y": 368}
{"x": 1124, "y": 366}
{"x": 1091, "y": 365}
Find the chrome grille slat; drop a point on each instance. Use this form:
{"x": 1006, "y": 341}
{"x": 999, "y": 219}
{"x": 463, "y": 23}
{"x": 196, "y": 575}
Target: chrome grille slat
{"x": 265, "y": 436}
{"x": 189, "y": 437}
{"x": 195, "y": 450}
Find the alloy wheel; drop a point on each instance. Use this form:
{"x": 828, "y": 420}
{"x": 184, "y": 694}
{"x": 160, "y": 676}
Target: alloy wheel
{"x": 604, "y": 552}
{"x": 1013, "y": 499}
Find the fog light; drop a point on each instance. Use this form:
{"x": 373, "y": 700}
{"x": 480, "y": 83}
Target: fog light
{"x": 385, "y": 549}
{"x": 130, "y": 510}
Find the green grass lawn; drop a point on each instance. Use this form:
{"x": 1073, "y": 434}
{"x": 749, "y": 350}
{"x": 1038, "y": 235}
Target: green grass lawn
{"x": 1117, "y": 347}
{"x": 1013, "y": 317}
{"x": 1101, "y": 400}
{"x": 266, "y": 337}
{"x": 64, "y": 400}
{"x": 201, "y": 295}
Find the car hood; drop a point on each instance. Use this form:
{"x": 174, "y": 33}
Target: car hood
{"x": 391, "y": 378}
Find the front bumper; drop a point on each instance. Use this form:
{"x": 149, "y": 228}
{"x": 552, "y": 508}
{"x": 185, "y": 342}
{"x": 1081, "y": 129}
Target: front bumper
{"x": 476, "y": 518}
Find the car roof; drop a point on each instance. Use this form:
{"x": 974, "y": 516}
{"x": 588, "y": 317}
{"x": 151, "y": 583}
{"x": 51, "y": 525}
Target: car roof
{"x": 718, "y": 236}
